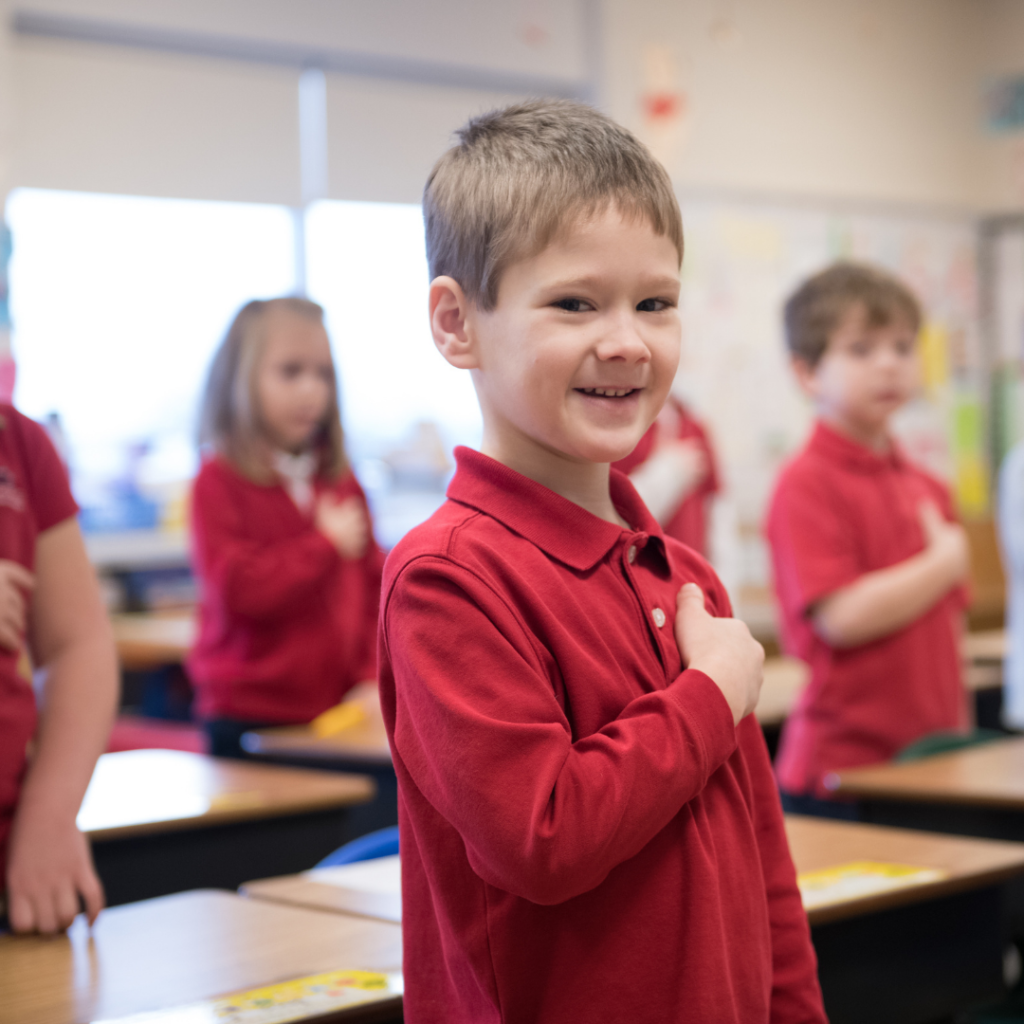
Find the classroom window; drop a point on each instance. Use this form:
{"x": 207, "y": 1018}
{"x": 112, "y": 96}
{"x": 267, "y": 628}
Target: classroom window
{"x": 118, "y": 303}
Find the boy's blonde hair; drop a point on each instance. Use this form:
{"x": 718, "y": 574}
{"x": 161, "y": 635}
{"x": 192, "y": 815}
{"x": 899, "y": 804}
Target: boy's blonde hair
{"x": 815, "y": 309}
{"x": 521, "y": 174}
{"x": 229, "y": 422}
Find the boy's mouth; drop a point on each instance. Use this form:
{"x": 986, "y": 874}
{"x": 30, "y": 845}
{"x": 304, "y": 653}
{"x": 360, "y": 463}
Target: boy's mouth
{"x": 608, "y": 392}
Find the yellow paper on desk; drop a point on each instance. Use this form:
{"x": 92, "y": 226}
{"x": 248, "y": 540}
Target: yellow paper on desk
{"x": 295, "y": 1000}
{"x": 860, "y": 879}
{"x": 337, "y": 719}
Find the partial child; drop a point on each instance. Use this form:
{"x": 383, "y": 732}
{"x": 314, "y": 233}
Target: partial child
{"x": 282, "y": 541}
{"x": 869, "y": 562}
{"x": 53, "y": 627}
{"x": 675, "y": 472}
{"x": 590, "y": 828}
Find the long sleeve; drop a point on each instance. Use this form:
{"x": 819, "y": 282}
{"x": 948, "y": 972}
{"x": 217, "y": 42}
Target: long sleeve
{"x": 256, "y": 580}
{"x": 479, "y": 727}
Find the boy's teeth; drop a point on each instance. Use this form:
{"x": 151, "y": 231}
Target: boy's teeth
{"x": 607, "y": 392}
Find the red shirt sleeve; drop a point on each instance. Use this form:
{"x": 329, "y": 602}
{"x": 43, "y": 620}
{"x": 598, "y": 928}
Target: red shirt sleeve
{"x": 480, "y": 729}
{"x": 49, "y": 493}
{"x": 254, "y": 579}
{"x": 813, "y": 548}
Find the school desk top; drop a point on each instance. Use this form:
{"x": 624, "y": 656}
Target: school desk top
{"x": 179, "y": 949}
{"x": 818, "y": 844}
{"x": 989, "y": 776}
{"x": 137, "y": 792}
{"x": 146, "y": 641}
{"x": 369, "y": 888}
{"x": 987, "y": 645}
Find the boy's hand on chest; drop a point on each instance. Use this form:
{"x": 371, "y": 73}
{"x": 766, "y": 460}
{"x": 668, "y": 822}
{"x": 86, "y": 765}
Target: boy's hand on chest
{"x": 722, "y": 649}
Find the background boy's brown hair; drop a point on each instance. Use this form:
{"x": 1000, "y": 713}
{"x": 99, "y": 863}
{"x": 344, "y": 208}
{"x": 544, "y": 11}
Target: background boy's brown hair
{"x": 520, "y": 174}
{"x": 815, "y": 309}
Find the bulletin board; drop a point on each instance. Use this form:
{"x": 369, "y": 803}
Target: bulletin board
{"x": 742, "y": 260}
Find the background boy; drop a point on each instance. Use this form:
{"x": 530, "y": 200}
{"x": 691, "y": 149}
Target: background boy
{"x": 868, "y": 561}
{"x": 589, "y": 831}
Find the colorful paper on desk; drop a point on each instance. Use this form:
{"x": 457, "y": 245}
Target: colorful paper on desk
{"x": 278, "y": 1004}
{"x": 858, "y": 880}
{"x": 338, "y": 719}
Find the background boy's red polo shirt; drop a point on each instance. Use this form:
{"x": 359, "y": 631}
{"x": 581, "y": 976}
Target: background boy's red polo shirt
{"x": 840, "y": 511}
{"x": 34, "y": 496}
{"x": 286, "y": 625}
{"x": 585, "y": 835}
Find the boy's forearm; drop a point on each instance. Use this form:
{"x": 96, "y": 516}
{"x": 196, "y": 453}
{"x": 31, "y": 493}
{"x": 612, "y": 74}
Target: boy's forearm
{"x": 79, "y": 700}
{"x": 881, "y": 602}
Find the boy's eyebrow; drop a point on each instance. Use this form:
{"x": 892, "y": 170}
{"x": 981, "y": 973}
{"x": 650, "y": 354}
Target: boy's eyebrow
{"x": 586, "y": 281}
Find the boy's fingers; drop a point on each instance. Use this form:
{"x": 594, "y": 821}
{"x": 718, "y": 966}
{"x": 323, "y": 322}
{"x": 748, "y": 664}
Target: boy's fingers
{"x": 690, "y": 595}
{"x": 20, "y": 913}
{"x": 92, "y": 895}
{"x": 20, "y": 576}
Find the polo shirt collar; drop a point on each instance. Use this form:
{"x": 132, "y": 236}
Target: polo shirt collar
{"x": 556, "y": 525}
{"x": 837, "y": 446}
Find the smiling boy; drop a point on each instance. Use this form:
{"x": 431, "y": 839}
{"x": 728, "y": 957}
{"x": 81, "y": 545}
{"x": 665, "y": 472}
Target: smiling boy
{"x": 590, "y": 829}
{"x": 869, "y": 562}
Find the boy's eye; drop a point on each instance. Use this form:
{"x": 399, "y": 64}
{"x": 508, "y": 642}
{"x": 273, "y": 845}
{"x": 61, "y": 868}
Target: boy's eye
{"x": 651, "y": 306}
{"x": 290, "y": 370}
{"x": 574, "y": 305}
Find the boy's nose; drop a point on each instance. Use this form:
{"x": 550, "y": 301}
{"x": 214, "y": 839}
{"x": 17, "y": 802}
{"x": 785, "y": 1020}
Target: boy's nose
{"x": 621, "y": 339}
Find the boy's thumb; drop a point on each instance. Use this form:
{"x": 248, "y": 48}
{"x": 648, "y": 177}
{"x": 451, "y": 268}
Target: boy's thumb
{"x": 690, "y": 595}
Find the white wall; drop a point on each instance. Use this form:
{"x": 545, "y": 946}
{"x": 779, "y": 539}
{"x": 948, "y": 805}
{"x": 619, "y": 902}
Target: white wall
{"x": 858, "y": 100}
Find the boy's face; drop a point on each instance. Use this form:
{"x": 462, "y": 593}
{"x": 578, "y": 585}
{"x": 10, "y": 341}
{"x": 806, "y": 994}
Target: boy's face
{"x": 578, "y": 355}
{"x": 865, "y": 375}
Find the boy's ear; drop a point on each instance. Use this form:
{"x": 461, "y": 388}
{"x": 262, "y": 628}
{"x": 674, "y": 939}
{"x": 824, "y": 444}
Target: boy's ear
{"x": 449, "y": 323}
{"x": 805, "y": 376}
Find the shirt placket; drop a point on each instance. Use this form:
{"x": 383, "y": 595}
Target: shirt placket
{"x": 657, "y": 618}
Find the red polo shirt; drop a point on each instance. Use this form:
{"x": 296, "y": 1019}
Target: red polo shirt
{"x": 286, "y": 625}
{"x": 585, "y": 835}
{"x": 34, "y": 496}
{"x": 839, "y": 511}
{"x": 689, "y": 522}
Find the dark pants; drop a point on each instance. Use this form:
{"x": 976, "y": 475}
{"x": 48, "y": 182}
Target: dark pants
{"x": 844, "y": 810}
{"x": 224, "y": 736}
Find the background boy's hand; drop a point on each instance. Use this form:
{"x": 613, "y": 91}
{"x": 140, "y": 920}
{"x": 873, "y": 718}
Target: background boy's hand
{"x": 344, "y": 524}
{"x": 16, "y": 583}
{"x": 947, "y": 542}
{"x": 722, "y": 649}
{"x": 49, "y": 874}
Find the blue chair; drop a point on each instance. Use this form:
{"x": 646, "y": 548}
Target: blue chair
{"x": 383, "y": 843}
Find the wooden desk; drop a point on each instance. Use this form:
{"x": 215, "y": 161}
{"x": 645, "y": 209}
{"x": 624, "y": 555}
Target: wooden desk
{"x": 161, "y": 821}
{"x": 915, "y": 954}
{"x": 362, "y": 748}
{"x": 369, "y": 888}
{"x": 146, "y": 641}
{"x": 784, "y": 681}
{"x": 985, "y": 646}
{"x": 180, "y": 949}
{"x": 977, "y": 791}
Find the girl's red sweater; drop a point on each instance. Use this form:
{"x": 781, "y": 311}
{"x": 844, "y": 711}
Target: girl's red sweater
{"x": 286, "y": 625}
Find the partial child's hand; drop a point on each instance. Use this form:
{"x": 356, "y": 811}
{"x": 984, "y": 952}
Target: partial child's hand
{"x": 49, "y": 874}
{"x": 722, "y": 649}
{"x": 16, "y": 584}
{"x": 946, "y": 541}
{"x": 344, "y": 524}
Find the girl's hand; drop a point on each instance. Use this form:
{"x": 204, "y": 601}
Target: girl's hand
{"x": 344, "y": 524}
{"x": 49, "y": 874}
{"x": 16, "y": 584}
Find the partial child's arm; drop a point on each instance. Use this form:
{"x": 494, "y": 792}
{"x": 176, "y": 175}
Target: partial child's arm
{"x": 881, "y": 602}
{"x": 49, "y": 862}
{"x": 673, "y": 472}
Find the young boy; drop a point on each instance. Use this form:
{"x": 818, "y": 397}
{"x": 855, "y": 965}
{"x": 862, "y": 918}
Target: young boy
{"x": 868, "y": 561}
{"x": 590, "y": 829}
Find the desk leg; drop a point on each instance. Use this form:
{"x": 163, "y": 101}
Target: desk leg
{"x": 913, "y": 964}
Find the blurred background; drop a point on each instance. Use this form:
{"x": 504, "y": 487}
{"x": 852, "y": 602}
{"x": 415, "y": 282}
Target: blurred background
{"x": 162, "y": 162}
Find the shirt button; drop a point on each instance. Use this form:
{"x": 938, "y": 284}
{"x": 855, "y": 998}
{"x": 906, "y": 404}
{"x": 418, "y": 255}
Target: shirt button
{"x": 659, "y": 617}
{"x": 631, "y": 554}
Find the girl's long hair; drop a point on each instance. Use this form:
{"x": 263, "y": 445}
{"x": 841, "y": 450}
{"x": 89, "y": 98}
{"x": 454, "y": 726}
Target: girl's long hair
{"x": 229, "y": 420}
